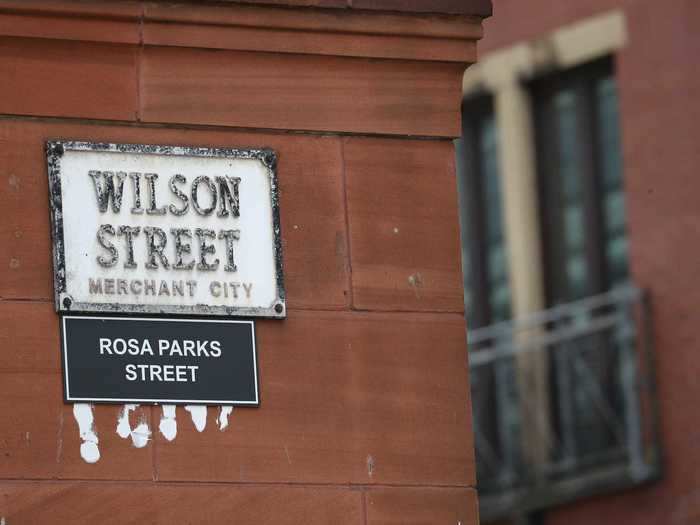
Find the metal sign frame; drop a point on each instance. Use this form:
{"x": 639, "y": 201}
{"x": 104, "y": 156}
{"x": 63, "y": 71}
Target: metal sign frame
{"x": 64, "y": 303}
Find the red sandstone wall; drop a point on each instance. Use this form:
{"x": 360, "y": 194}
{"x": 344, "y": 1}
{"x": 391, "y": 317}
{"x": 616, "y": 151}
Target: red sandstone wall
{"x": 365, "y": 415}
{"x": 659, "y": 82}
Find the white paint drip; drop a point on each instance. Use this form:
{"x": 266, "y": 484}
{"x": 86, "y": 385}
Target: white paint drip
{"x": 123, "y": 425}
{"x": 139, "y": 435}
{"x": 168, "y": 423}
{"x": 199, "y": 416}
{"x": 89, "y": 450}
{"x": 224, "y": 412}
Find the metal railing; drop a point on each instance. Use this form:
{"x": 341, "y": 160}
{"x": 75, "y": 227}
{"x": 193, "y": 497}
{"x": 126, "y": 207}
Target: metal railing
{"x": 564, "y": 404}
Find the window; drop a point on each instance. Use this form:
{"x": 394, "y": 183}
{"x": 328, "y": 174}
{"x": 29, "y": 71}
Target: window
{"x": 484, "y": 253}
{"x": 580, "y": 178}
{"x": 556, "y": 400}
{"x": 581, "y": 196}
{"x": 485, "y": 271}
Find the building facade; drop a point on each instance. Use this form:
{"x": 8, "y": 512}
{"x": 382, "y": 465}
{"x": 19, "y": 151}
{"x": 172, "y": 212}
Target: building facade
{"x": 578, "y": 200}
{"x": 364, "y": 398}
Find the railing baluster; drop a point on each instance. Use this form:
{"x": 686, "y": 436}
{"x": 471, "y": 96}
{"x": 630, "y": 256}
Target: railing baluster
{"x": 565, "y": 404}
{"x": 625, "y": 338}
{"x": 508, "y": 419}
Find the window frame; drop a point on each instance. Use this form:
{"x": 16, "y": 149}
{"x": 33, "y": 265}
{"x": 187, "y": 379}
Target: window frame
{"x": 582, "y": 80}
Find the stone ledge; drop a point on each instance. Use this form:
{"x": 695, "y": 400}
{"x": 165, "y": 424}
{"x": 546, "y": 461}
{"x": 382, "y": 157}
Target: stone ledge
{"x": 352, "y": 32}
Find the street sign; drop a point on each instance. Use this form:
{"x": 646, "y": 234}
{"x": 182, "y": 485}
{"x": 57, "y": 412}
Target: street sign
{"x": 141, "y": 360}
{"x": 165, "y": 229}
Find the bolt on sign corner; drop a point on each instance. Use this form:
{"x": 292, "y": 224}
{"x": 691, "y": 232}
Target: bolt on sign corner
{"x": 165, "y": 230}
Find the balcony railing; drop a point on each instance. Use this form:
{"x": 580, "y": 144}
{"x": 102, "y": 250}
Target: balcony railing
{"x": 564, "y": 404}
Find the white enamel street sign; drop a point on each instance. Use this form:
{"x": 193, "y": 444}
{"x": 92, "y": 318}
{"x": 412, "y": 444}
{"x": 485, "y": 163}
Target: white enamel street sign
{"x": 165, "y": 229}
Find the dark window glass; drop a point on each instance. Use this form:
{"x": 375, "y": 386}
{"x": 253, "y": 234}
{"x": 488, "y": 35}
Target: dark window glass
{"x": 614, "y": 234}
{"x": 580, "y": 177}
{"x": 484, "y": 254}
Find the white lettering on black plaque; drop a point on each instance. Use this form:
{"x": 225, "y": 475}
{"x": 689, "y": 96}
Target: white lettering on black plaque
{"x": 116, "y": 359}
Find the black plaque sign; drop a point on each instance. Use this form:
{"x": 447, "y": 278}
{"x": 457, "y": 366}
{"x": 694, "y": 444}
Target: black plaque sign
{"x": 119, "y": 359}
